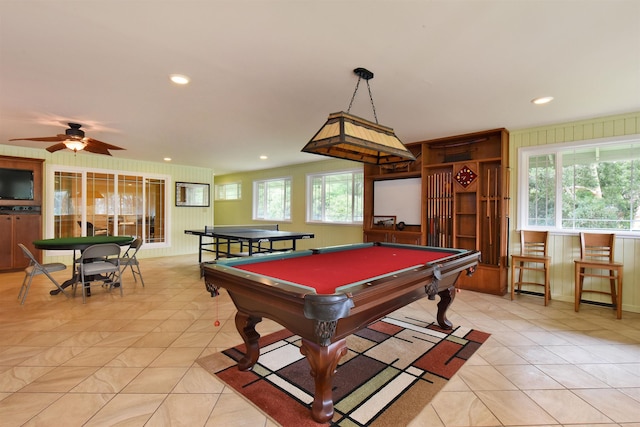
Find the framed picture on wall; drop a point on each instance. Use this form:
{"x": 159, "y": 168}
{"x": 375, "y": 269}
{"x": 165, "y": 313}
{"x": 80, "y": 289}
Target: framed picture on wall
{"x": 383, "y": 221}
{"x": 192, "y": 194}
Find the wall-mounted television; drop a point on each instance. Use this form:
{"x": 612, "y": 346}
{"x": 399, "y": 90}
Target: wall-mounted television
{"x": 16, "y": 184}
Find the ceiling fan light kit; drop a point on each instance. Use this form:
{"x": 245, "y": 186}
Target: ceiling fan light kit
{"x": 346, "y": 136}
{"x": 74, "y": 144}
{"x": 74, "y": 139}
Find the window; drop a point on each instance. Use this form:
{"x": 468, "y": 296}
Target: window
{"x": 272, "y": 199}
{"x": 109, "y": 203}
{"x": 590, "y": 185}
{"x": 335, "y": 197}
{"x": 228, "y": 191}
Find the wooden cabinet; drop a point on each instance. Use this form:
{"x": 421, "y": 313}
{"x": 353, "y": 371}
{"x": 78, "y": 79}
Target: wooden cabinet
{"x": 20, "y": 228}
{"x": 404, "y": 237}
{"x": 464, "y": 201}
{"x": 20, "y": 220}
{"x": 6, "y": 247}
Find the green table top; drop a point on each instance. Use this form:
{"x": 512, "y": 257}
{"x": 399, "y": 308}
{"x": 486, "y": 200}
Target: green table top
{"x": 80, "y": 243}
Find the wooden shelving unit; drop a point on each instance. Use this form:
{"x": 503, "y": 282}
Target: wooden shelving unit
{"x": 464, "y": 201}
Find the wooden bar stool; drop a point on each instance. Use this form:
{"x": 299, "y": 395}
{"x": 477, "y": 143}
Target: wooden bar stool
{"x": 533, "y": 257}
{"x": 597, "y": 260}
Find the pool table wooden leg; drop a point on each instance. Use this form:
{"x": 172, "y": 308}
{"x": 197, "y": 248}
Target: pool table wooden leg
{"x": 446, "y": 298}
{"x": 246, "y": 326}
{"x": 323, "y": 361}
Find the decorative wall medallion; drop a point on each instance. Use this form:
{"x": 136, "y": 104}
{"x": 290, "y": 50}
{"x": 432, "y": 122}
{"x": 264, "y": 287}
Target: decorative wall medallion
{"x": 465, "y": 176}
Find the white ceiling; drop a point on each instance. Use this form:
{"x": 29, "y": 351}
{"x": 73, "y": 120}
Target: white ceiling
{"x": 265, "y": 74}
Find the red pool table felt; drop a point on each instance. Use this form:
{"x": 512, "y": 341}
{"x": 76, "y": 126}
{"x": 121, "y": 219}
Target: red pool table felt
{"x": 327, "y": 271}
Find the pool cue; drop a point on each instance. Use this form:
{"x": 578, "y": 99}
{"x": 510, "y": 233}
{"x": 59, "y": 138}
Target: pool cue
{"x": 434, "y": 238}
{"x": 426, "y": 208}
{"x": 440, "y": 228}
{"x": 507, "y": 200}
{"x": 430, "y": 200}
{"x": 449, "y": 208}
{"x": 489, "y": 216}
{"x": 497, "y": 220}
{"x": 429, "y": 206}
{"x": 442, "y": 211}
{"x": 451, "y": 211}
{"x": 434, "y": 214}
{"x": 439, "y": 207}
{"x": 430, "y": 203}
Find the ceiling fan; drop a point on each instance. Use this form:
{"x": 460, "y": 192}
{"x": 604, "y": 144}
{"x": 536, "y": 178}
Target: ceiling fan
{"x": 75, "y": 140}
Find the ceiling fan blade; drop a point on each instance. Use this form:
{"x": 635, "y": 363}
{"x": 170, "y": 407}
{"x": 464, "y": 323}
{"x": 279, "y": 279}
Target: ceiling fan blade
{"x": 96, "y": 148}
{"x": 43, "y": 138}
{"x": 56, "y": 147}
{"x": 92, "y": 141}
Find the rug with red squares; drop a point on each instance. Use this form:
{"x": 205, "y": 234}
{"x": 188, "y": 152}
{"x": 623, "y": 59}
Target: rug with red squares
{"x": 392, "y": 370}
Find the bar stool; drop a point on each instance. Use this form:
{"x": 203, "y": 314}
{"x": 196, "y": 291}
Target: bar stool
{"x": 533, "y": 257}
{"x": 597, "y": 259}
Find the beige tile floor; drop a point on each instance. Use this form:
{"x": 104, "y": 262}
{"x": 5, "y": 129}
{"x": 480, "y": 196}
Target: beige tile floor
{"x": 130, "y": 361}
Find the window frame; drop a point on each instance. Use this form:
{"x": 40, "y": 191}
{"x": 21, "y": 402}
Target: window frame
{"x": 287, "y": 201}
{"x": 309, "y": 196}
{"x": 49, "y": 201}
{"x": 557, "y": 149}
{"x": 221, "y": 188}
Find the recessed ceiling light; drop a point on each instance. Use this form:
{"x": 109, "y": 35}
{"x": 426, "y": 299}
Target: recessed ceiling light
{"x": 167, "y": 159}
{"x": 263, "y": 157}
{"x": 542, "y": 100}
{"x": 179, "y": 79}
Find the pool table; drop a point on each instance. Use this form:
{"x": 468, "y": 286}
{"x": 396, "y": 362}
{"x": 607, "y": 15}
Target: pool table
{"x": 324, "y": 295}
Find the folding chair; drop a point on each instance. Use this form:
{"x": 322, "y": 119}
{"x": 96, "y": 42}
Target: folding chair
{"x": 99, "y": 262}
{"x": 130, "y": 260}
{"x": 35, "y": 269}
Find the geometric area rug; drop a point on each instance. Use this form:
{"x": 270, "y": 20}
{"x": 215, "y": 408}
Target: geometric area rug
{"x": 393, "y": 368}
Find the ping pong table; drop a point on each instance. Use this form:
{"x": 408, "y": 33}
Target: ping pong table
{"x": 244, "y": 240}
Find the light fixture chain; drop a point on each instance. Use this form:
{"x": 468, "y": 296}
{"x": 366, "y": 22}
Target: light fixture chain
{"x": 373, "y": 107}
{"x": 354, "y": 94}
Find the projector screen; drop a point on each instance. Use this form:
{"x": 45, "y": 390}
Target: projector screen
{"x": 398, "y": 197}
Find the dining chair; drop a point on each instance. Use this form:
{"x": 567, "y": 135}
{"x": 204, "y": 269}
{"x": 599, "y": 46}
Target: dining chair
{"x": 34, "y": 269}
{"x": 597, "y": 261}
{"x": 99, "y": 262}
{"x": 130, "y": 260}
{"x": 533, "y": 258}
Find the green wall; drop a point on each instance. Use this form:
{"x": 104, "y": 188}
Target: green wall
{"x": 232, "y": 212}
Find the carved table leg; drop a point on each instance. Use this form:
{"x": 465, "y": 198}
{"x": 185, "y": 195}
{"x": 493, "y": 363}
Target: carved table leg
{"x": 246, "y": 326}
{"x": 323, "y": 361}
{"x": 446, "y": 298}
